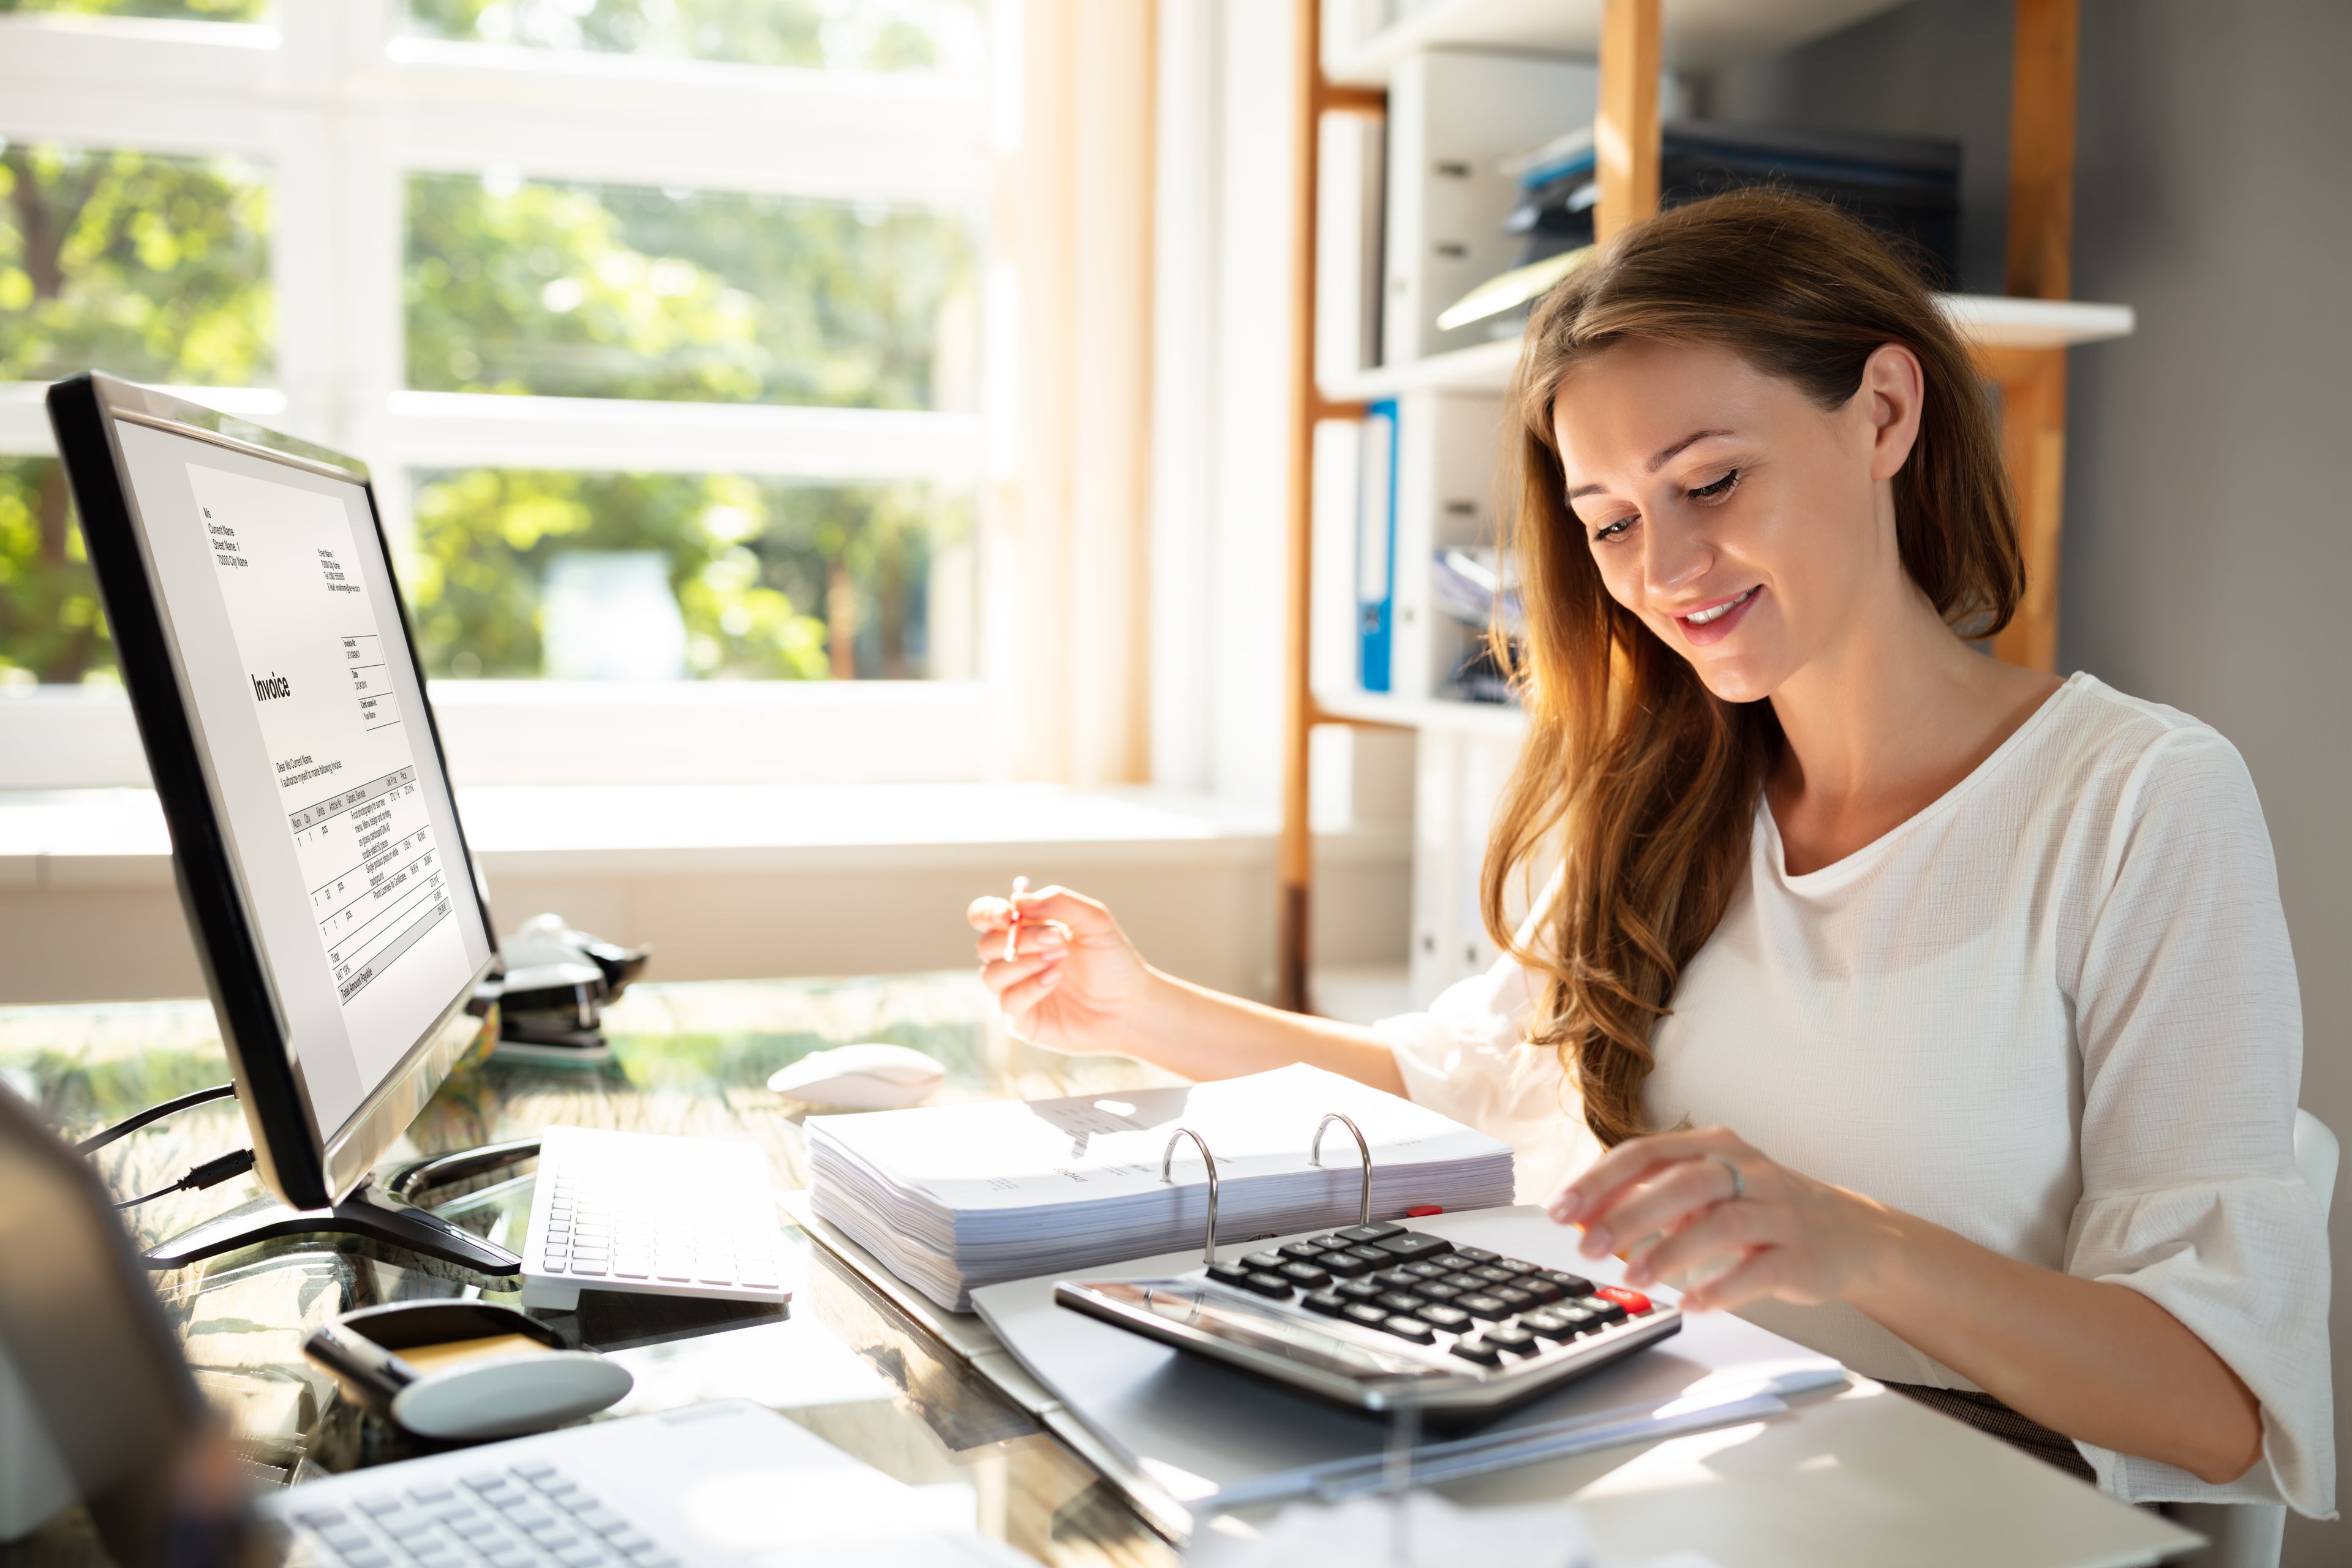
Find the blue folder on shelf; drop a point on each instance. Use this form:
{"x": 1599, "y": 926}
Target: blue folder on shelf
{"x": 1376, "y": 522}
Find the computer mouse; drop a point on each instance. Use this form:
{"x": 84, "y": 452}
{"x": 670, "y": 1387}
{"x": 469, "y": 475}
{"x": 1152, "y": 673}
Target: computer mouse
{"x": 861, "y": 1078}
{"x": 510, "y": 1397}
{"x": 465, "y": 1371}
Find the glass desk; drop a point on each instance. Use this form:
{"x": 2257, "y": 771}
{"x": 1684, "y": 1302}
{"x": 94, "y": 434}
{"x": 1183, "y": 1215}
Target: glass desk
{"x": 686, "y": 1058}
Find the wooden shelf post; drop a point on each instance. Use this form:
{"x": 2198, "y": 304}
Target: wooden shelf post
{"x": 1295, "y": 855}
{"x": 1294, "y": 868}
{"x": 1626, "y": 132}
{"x": 2041, "y": 250}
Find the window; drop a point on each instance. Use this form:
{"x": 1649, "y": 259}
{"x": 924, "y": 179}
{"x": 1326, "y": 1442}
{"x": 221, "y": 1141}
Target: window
{"x": 590, "y": 576}
{"x": 158, "y": 266}
{"x": 658, "y": 323}
{"x": 549, "y": 289}
{"x": 578, "y": 291}
{"x": 49, "y": 619}
{"x": 828, "y": 34}
{"x": 178, "y": 10}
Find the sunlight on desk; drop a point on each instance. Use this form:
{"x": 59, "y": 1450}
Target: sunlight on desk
{"x": 688, "y": 1059}
{"x": 1675, "y": 1465}
{"x": 1861, "y": 1478}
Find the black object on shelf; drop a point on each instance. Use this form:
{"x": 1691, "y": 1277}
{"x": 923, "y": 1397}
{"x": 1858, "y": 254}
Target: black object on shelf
{"x": 1481, "y": 677}
{"x": 1906, "y": 187}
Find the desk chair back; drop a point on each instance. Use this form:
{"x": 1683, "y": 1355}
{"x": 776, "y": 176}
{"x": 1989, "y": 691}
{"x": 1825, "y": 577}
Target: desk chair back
{"x": 96, "y": 1399}
{"x": 2248, "y": 1535}
{"x": 2316, "y": 1154}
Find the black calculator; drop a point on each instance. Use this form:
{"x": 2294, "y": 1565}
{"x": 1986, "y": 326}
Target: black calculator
{"x": 1382, "y": 1318}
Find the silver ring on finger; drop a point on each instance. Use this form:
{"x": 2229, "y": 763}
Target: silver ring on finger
{"x": 1739, "y": 1182}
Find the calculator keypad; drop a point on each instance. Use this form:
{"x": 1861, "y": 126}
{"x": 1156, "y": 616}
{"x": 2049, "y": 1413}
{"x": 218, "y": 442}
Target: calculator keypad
{"x": 1351, "y": 1262}
{"x": 1497, "y": 1309}
{"x": 1376, "y": 1314}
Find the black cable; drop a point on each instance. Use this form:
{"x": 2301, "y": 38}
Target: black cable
{"x": 210, "y": 1173}
{"x": 124, "y": 1129}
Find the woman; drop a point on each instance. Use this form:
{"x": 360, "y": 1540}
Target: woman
{"x": 1932, "y": 1012}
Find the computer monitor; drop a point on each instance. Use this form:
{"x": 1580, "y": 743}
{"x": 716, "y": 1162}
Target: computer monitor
{"x": 317, "y": 845}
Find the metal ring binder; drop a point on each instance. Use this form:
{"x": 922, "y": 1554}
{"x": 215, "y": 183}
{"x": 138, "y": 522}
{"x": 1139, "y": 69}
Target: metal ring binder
{"x": 1315, "y": 1157}
{"x": 1209, "y": 1244}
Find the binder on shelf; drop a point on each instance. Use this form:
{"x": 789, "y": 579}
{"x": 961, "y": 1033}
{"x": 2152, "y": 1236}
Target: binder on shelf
{"x": 1334, "y": 655}
{"x": 1443, "y": 474}
{"x": 1453, "y": 115}
{"x": 1376, "y": 530}
{"x": 1349, "y": 246}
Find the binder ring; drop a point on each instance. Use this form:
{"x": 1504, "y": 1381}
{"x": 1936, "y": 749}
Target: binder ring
{"x": 1315, "y": 1157}
{"x": 1208, "y": 1243}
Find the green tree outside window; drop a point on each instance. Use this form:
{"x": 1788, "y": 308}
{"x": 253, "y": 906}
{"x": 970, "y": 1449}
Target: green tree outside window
{"x": 177, "y": 10}
{"x": 623, "y": 291}
{"x": 156, "y": 269}
{"x": 823, "y": 34}
{"x": 774, "y": 581}
{"x": 529, "y": 286}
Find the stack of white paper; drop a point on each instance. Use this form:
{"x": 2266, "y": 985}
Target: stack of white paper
{"x": 954, "y": 1196}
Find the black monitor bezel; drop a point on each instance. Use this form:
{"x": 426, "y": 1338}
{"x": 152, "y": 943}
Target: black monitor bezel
{"x": 306, "y": 1165}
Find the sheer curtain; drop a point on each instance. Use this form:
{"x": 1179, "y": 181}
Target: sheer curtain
{"x": 1071, "y": 491}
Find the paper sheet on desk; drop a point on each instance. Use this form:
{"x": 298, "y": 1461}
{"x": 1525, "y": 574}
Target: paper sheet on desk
{"x": 1199, "y": 1427}
{"x": 1421, "y": 1530}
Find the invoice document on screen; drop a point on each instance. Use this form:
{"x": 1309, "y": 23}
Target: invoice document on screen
{"x": 344, "y": 755}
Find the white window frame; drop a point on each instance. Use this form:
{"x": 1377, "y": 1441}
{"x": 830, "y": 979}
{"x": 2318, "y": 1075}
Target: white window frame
{"x": 341, "y": 108}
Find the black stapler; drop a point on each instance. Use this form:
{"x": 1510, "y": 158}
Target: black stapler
{"x": 557, "y": 983}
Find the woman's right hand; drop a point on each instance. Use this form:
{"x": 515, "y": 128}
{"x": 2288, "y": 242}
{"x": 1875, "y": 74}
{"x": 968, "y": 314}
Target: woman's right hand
{"x": 1075, "y": 982}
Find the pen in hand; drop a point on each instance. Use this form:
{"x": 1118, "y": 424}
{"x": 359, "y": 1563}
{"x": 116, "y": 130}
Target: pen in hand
{"x": 1012, "y": 920}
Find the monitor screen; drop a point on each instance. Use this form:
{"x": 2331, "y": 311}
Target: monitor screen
{"x": 308, "y": 713}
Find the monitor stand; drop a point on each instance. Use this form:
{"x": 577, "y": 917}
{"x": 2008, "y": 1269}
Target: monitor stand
{"x": 384, "y": 1211}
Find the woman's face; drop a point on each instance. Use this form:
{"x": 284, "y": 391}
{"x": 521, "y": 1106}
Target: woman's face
{"x": 1751, "y": 529}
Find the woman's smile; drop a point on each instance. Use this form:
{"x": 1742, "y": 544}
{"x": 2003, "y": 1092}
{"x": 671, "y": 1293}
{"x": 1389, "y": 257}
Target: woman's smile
{"x": 1718, "y": 621}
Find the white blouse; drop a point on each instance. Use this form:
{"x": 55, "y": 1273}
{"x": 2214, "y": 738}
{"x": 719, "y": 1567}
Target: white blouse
{"x": 2055, "y": 1012}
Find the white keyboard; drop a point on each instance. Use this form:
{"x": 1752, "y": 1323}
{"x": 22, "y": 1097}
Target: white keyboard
{"x": 636, "y": 1212}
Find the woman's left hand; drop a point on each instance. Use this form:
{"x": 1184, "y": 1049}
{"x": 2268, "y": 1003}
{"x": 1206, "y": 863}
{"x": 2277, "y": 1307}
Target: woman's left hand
{"x": 1674, "y": 1202}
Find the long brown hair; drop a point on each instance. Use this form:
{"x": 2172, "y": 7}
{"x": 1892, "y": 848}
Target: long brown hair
{"x": 1642, "y": 780}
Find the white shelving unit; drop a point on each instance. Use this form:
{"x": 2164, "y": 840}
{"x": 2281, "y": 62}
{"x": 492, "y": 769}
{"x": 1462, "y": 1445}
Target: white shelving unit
{"x": 1493, "y": 721}
{"x": 1449, "y": 389}
{"x": 1486, "y": 367}
{"x": 1695, "y": 32}
{"x": 1987, "y": 320}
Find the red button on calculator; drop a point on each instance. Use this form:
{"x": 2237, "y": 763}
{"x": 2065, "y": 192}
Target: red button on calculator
{"x": 1634, "y": 1302}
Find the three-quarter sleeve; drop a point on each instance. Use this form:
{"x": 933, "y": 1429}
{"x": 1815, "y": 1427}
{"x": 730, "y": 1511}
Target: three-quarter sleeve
{"x": 1467, "y": 1057}
{"x": 2190, "y": 1029}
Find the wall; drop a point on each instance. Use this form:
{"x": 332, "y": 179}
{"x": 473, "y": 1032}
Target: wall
{"x": 2208, "y": 539}
{"x": 2207, "y": 534}
{"x": 1934, "y": 68}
